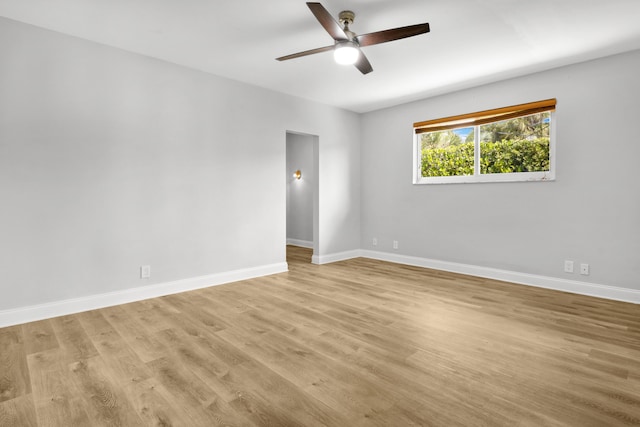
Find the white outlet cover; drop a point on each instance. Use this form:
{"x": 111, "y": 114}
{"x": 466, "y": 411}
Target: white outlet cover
{"x": 584, "y": 269}
{"x": 568, "y": 266}
{"x": 145, "y": 271}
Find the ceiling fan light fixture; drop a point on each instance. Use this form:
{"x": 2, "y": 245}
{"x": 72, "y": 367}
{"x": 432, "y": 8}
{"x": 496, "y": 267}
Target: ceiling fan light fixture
{"x": 347, "y": 44}
{"x": 346, "y": 53}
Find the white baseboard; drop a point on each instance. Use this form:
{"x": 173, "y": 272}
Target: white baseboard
{"x": 91, "y": 302}
{"x": 76, "y": 305}
{"x": 558, "y": 284}
{"x": 301, "y": 243}
{"x": 339, "y": 256}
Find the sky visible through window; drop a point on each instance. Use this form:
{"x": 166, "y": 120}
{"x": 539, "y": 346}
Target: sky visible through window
{"x": 463, "y": 132}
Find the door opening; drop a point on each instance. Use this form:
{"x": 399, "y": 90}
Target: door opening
{"x": 302, "y": 195}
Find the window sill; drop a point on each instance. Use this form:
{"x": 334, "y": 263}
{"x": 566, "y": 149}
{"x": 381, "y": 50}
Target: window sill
{"x": 498, "y": 177}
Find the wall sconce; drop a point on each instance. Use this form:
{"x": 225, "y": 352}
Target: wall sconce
{"x": 297, "y": 174}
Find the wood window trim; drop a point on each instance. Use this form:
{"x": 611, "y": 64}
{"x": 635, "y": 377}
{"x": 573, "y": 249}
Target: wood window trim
{"x": 484, "y": 117}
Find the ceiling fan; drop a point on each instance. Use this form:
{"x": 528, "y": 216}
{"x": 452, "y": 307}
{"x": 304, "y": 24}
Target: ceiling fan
{"x": 347, "y": 44}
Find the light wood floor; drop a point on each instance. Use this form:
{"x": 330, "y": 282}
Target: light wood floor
{"x": 354, "y": 343}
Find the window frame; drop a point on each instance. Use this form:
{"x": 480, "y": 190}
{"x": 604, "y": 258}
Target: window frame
{"x": 476, "y": 120}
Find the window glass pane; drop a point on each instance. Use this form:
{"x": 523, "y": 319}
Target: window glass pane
{"x": 515, "y": 145}
{"x": 447, "y": 153}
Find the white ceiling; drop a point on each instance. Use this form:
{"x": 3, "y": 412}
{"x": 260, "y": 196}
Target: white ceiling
{"x": 471, "y": 41}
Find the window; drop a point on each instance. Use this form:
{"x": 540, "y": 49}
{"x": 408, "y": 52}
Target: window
{"x": 506, "y": 144}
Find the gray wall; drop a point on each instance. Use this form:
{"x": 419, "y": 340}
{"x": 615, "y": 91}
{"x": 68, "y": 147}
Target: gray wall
{"x": 300, "y": 191}
{"x": 111, "y": 160}
{"x": 591, "y": 213}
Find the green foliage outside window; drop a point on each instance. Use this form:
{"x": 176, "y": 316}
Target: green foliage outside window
{"x": 508, "y": 146}
{"x": 514, "y": 156}
{"x": 451, "y": 160}
{"x": 506, "y": 156}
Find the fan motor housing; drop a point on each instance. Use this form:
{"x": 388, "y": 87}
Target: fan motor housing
{"x": 346, "y": 17}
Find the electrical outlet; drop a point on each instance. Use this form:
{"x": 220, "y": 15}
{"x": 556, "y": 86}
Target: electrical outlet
{"x": 568, "y": 266}
{"x": 375, "y": 241}
{"x": 584, "y": 269}
{"x": 145, "y": 271}
{"x": 395, "y": 244}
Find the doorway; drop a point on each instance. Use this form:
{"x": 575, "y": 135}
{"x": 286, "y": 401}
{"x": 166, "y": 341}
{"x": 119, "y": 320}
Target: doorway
{"x": 302, "y": 194}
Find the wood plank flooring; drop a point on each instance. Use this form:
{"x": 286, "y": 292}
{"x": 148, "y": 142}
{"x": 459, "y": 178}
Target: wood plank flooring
{"x": 354, "y": 343}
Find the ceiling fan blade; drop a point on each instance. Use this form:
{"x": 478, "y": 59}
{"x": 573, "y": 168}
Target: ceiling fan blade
{"x": 326, "y": 20}
{"x": 305, "y": 53}
{"x": 393, "y": 34}
{"x": 363, "y": 64}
